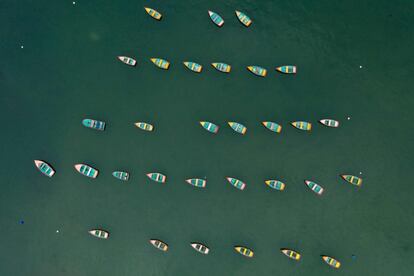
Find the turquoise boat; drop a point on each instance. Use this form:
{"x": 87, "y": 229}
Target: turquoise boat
{"x": 237, "y": 127}
{"x": 44, "y": 168}
{"x": 243, "y": 18}
{"x": 161, "y": 63}
{"x": 275, "y": 184}
{"x": 121, "y": 175}
{"x": 287, "y": 69}
{"x": 236, "y": 183}
{"x": 216, "y": 18}
{"x": 222, "y": 67}
{"x": 314, "y": 187}
{"x": 302, "y": 125}
{"x": 197, "y": 182}
{"x": 272, "y": 126}
{"x": 195, "y": 67}
{"x": 94, "y": 124}
{"x": 257, "y": 70}
{"x": 213, "y": 128}
{"x": 157, "y": 177}
{"x": 86, "y": 170}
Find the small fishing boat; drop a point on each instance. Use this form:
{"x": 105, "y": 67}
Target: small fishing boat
{"x": 331, "y": 261}
{"x": 243, "y": 18}
{"x": 238, "y": 127}
{"x": 355, "y": 180}
{"x": 99, "y": 233}
{"x": 157, "y": 177}
{"x": 127, "y": 60}
{"x": 153, "y": 13}
{"x": 121, "y": 175}
{"x": 94, "y": 124}
{"x": 329, "y": 122}
{"x": 199, "y": 247}
{"x": 213, "y": 128}
{"x": 161, "y": 63}
{"x": 257, "y": 70}
{"x": 314, "y": 187}
{"x": 222, "y": 67}
{"x": 44, "y": 168}
{"x": 216, "y": 18}
{"x": 272, "y": 126}
{"x": 195, "y": 67}
{"x": 159, "y": 244}
{"x": 144, "y": 126}
{"x": 287, "y": 69}
{"x": 244, "y": 251}
{"x": 86, "y": 170}
{"x": 291, "y": 254}
{"x": 302, "y": 125}
{"x": 275, "y": 184}
{"x": 197, "y": 182}
{"x": 236, "y": 183}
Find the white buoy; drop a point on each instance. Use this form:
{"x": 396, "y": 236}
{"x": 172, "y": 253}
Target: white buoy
{"x": 360, "y": 172}
{"x": 74, "y": 3}
{"x": 349, "y": 118}
{"x": 21, "y": 46}
{"x": 57, "y": 231}
{"x": 360, "y": 66}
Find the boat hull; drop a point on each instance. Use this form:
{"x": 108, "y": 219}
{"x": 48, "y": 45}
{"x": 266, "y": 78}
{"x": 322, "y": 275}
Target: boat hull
{"x": 197, "y": 182}
{"x": 329, "y": 123}
{"x": 153, "y": 13}
{"x": 302, "y": 125}
{"x": 331, "y": 261}
{"x": 222, "y": 67}
{"x": 217, "y": 19}
{"x": 257, "y": 70}
{"x": 127, "y": 60}
{"x": 157, "y": 177}
{"x": 201, "y": 248}
{"x": 44, "y": 168}
{"x": 210, "y": 127}
{"x": 352, "y": 179}
{"x": 315, "y": 187}
{"x": 87, "y": 170}
{"x": 238, "y": 184}
{"x": 99, "y": 233}
{"x": 272, "y": 126}
{"x": 237, "y": 127}
{"x": 287, "y": 69}
{"x": 275, "y": 184}
{"x": 292, "y": 254}
{"x": 144, "y": 126}
{"x": 159, "y": 245}
{"x": 243, "y": 18}
{"x": 247, "y": 252}
{"x": 195, "y": 67}
{"x": 161, "y": 63}
{"x": 94, "y": 124}
{"x": 121, "y": 175}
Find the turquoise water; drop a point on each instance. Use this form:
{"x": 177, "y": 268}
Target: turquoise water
{"x": 67, "y": 70}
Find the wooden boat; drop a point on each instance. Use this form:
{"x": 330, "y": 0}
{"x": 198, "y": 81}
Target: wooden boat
{"x": 257, "y": 70}
{"x": 99, "y": 233}
{"x": 222, "y": 67}
{"x": 291, "y": 254}
{"x": 127, "y": 60}
{"x": 197, "y": 182}
{"x": 153, "y": 13}
{"x": 275, "y": 184}
{"x": 244, "y": 251}
{"x": 314, "y": 187}
{"x": 159, "y": 244}
{"x": 216, "y": 18}
{"x": 157, "y": 177}
{"x": 195, "y": 67}
{"x": 199, "y": 247}
{"x": 355, "y": 180}
{"x": 238, "y": 127}
{"x": 287, "y": 69}
{"x": 213, "y": 128}
{"x": 272, "y": 126}
{"x": 243, "y": 18}
{"x": 86, "y": 170}
{"x": 144, "y": 126}
{"x": 331, "y": 261}
{"x": 236, "y": 183}
{"x": 329, "y": 122}
{"x": 161, "y": 63}
{"x": 94, "y": 124}
{"x": 44, "y": 168}
{"x": 302, "y": 125}
{"x": 121, "y": 175}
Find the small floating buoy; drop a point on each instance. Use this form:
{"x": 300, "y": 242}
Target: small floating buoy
{"x": 349, "y": 118}
{"x": 21, "y": 47}
{"x": 360, "y": 172}
{"x": 57, "y": 231}
{"x": 74, "y": 3}
{"x": 360, "y": 66}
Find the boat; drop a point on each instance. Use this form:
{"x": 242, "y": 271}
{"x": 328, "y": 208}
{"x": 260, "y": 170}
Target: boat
{"x": 272, "y": 126}
{"x": 197, "y": 182}
{"x": 195, "y": 67}
{"x": 314, "y": 187}
{"x": 222, "y": 67}
{"x": 331, "y": 261}
{"x": 244, "y": 251}
{"x": 302, "y": 125}
{"x": 238, "y": 127}
{"x": 86, "y": 170}
{"x": 216, "y": 18}
{"x": 159, "y": 244}
{"x": 127, "y": 60}
{"x": 355, "y": 180}
{"x": 213, "y": 128}
{"x": 236, "y": 183}
{"x": 329, "y": 122}
{"x": 121, "y": 175}
{"x": 94, "y": 124}
{"x": 161, "y": 63}
{"x": 144, "y": 126}
{"x": 243, "y": 18}
{"x": 157, "y": 177}
{"x": 153, "y": 13}
{"x": 199, "y": 247}
{"x": 257, "y": 70}
{"x": 287, "y": 69}
{"x": 99, "y": 233}
{"x": 44, "y": 168}
{"x": 275, "y": 184}
{"x": 291, "y": 254}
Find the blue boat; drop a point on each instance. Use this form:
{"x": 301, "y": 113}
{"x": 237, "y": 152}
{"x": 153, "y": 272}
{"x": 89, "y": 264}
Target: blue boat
{"x": 94, "y": 124}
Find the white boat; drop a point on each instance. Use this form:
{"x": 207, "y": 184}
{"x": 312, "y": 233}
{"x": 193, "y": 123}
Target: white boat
{"x": 329, "y": 122}
{"x": 127, "y": 60}
{"x": 199, "y": 247}
{"x": 99, "y": 233}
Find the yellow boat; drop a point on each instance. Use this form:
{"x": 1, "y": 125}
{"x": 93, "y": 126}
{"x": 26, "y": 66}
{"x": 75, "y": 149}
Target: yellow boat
{"x": 331, "y": 261}
{"x": 153, "y": 13}
{"x": 257, "y": 70}
{"x": 302, "y": 125}
{"x": 222, "y": 67}
{"x": 355, "y": 180}
{"x": 291, "y": 253}
{"x": 244, "y": 251}
{"x": 195, "y": 67}
{"x": 144, "y": 126}
{"x": 161, "y": 63}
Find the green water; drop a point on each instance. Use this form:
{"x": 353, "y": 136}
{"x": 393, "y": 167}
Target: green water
{"x": 67, "y": 71}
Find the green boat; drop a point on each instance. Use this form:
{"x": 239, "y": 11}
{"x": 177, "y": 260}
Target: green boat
{"x": 314, "y": 187}
{"x": 237, "y": 127}
{"x": 272, "y": 126}
{"x": 86, "y": 170}
{"x": 354, "y": 180}
{"x": 157, "y": 177}
{"x": 243, "y": 18}
{"x": 94, "y": 124}
{"x": 197, "y": 182}
{"x": 287, "y": 69}
{"x": 44, "y": 168}
{"x": 275, "y": 184}
{"x": 216, "y": 18}
{"x": 236, "y": 183}
{"x": 121, "y": 175}
{"x": 213, "y": 128}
